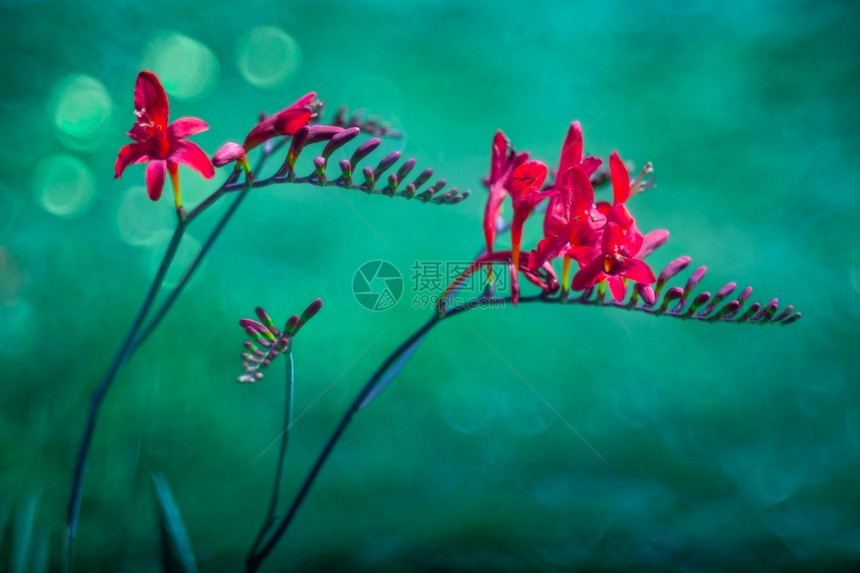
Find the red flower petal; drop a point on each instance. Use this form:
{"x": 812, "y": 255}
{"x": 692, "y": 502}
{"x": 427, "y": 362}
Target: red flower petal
{"x": 261, "y": 132}
{"x": 527, "y": 178}
{"x": 589, "y": 275}
{"x": 617, "y": 286}
{"x": 290, "y": 121}
{"x": 129, "y": 154}
{"x": 302, "y": 101}
{"x": 613, "y": 238}
{"x": 491, "y": 213}
{"x": 583, "y": 255}
{"x": 547, "y": 249}
{"x": 531, "y": 265}
{"x": 571, "y": 149}
{"x": 639, "y": 272}
{"x": 155, "y": 178}
{"x": 583, "y": 192}
{"x": 556, "y": 216}
{"x": 620, "y": 215}
{"x": 634, "y": 243}
{"x": 498, "y": 156}
{"x": 150, "y": 99}
{"x": 190, "y": 155}
{"x": 620, "y": 179}
{"x": 591, "y": 164}
{"x": 286, "y": 122}
{"x": 186, "y": 127}
{"x": 139, "y": 133}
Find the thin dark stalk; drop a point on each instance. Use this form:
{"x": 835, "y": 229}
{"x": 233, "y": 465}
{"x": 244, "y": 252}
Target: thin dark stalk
{"x": 252, "y": 563}
{"x": 282, "y": 458}
{"x": 131, "y": 343}
{"x": 98, "y": 396}
{"x": 189, "y": 272}
{"x": 395, "y": 361}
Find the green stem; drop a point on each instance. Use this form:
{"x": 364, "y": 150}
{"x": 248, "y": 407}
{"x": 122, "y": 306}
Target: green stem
{"x": 252, "y": 563}
{"x": 129, "y": 345}
{"x": 189, "y": 272}
{"x": 392, "y": 365}
{"x": 98, "y": 396}
{"x": 282, "y": 458}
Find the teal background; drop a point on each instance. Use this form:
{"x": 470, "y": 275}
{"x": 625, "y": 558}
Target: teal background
{"x": 725, "y": 446}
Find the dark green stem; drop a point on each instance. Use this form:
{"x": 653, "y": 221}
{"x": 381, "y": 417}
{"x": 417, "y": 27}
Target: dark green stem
{"x": 131, "y": 343}
{"x": 282, "y": 458}
{"x": 252, "y": 563}
{"x": 98, "y": 396}
{"x": 189, "y": 272}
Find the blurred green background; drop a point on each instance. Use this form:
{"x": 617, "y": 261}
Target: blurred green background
{"x": 725, "y": 446}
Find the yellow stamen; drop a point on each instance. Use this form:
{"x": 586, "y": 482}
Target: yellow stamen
{"x": 177, "y": 191}
{"x": 565, "y": 274}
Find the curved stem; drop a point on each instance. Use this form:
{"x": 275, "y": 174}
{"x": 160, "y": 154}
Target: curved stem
{"x": 189, "y": 272}
{"x": 392, "y": 365}
{"x": 282, "y": 458}
{"x": 130, "y": 344}
{"x": 132, "y": 340}
{"x": 98, "y": 396}
{"x": 252, "y": 563}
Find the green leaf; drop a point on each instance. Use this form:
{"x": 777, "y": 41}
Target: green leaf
{"x": 25, "y": 517}
{"x": 41, "y": 552}
{"x": 176, "y": 552}
{"x": 5, "y": 507}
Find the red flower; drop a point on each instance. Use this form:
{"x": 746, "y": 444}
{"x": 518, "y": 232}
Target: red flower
{"x": 158, "y": 143}
{"x": 525, "y": 185}
{"x": 615, "y": 261}
{"x": 558, "y": 211}
{"x": 620, "y": 179}
{"x": 286, "y": 122}
{"x": 622, "y": 187}
{"x": 503, "y": 162}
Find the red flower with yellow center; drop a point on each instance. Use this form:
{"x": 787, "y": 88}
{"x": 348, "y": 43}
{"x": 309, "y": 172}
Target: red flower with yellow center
{"x": 160, "y": 145}
{"x": 615, "y": 261}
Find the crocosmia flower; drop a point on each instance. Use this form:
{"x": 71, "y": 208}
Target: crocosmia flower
{"x": 286, "y": 122}
{"x": 503, "y": 163}
{"x": 615, "y": 260}
{"x": 525, "y": 185}
{"x": 160, "y": 145}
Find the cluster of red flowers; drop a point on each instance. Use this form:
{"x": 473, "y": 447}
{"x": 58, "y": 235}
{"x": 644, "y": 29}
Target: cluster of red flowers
{"x": 601, "y": 237}
{"x": 163, "y": 146}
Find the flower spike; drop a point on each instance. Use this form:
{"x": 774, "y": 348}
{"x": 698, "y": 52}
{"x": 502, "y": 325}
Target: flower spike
{"x": 273, "y": 342}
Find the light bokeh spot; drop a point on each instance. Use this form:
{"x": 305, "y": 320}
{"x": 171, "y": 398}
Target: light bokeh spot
{"x": 374, "y": 92}
{"x": 80, "y": 108}
{"x": 470, "y": 412}
{"x": 187, "y": 68}
{"x": 140, "y": 221}
{"x": 266, "y": 56}
{"x": 64, "y": 185}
